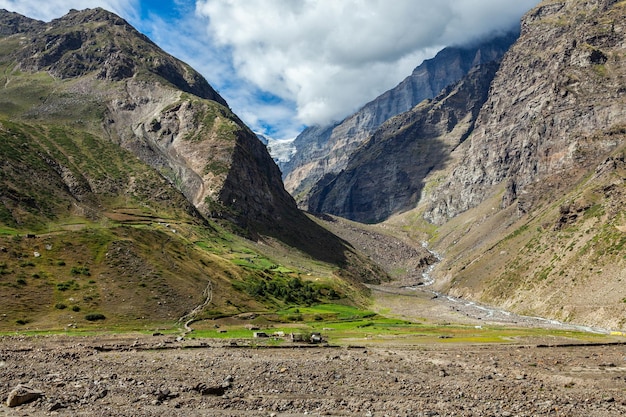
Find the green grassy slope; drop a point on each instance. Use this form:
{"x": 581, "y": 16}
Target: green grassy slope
{"x": 86, "y": 228}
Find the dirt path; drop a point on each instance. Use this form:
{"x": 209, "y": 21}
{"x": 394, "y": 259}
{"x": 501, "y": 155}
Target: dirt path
{"x": 190, "y": 317}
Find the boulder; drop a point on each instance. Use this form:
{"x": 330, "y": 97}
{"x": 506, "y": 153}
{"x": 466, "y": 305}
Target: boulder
{"x": 22, "y": 394}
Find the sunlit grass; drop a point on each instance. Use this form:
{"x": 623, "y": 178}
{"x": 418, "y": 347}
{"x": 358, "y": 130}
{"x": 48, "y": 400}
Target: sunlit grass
{"x": 346, "y": 325}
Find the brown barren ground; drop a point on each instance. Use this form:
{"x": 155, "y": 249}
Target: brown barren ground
{"x": 159, "y": 376}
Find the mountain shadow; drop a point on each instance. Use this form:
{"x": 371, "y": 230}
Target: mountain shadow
{"x": 386, "y": 174}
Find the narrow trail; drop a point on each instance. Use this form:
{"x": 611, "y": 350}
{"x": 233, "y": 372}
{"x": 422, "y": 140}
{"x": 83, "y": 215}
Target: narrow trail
{"x": 190, "y": 317}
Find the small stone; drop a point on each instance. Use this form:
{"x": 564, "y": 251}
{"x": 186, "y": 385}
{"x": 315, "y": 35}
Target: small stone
{"x": 56, "y": 406}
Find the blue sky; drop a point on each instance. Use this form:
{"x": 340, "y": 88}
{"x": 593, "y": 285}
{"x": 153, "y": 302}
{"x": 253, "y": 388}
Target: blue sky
{"x": 286, "y": 64}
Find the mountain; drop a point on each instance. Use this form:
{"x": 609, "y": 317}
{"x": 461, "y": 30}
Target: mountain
{"x": 327, "y": 149}
{"x": 386, "y": 174}
{"x": 556, "y": 107}
{"x": 136, "y": 183}
{"x": 529, "y": 209}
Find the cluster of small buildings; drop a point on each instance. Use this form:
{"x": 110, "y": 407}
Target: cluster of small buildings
{"x": 293, "y": 337}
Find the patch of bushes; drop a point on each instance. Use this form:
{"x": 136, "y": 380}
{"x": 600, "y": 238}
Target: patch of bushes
{"x": 95, "y": 317}
{"x": 289, "y": 290}
{"x": 80, "y": 270}
{"x": 294, "y": 317}
{"x": 67, "y": 285}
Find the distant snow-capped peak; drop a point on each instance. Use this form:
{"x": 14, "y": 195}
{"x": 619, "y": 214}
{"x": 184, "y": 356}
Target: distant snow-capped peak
{"x": 281, "y": 150}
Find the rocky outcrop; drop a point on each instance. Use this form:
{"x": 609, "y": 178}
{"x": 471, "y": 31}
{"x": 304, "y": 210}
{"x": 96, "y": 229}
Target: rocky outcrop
{"x": 22, "y": 394}
{"x": 386, "y": 174}
{"x": 327, "y": 150}
{"x": 95, "y": 40}
{"x": 555, "y": 111}
{"x": 12, "y": 23}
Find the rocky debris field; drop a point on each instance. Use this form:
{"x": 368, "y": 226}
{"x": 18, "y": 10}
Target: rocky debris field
{"x": 159, "y": 376}
{"x": 403, "y": 260}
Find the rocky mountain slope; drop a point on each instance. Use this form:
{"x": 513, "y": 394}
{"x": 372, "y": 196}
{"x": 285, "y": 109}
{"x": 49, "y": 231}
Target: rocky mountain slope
{"x": 531, "y": 206}
{"x": 327, "y": 149}
{"x": 556, "y": 107}
{"x": 386, "y": 174}
{"x": 129, "y": 168}
{"x": 95, "y": 72}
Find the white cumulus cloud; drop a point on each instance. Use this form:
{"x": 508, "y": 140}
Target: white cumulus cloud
{"x": 330, "y": 56}
{"x": 282, "y": 64}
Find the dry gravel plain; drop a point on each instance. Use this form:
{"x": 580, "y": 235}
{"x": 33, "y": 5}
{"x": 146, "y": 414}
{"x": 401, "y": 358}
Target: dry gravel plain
{"x": 160, "y": 376}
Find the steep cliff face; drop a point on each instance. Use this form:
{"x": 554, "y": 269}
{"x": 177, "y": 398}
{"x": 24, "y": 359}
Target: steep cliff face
{"x": 327, "y": 150}
{"x": 556, "y": 109}
{"x": 386, "y": 174}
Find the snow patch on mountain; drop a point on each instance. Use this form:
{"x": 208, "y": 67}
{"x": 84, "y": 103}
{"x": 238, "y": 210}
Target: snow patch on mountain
{"x": 281, "y": 150}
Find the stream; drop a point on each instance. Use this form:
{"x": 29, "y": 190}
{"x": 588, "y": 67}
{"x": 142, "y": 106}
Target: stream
{"x": 486, "y": 313}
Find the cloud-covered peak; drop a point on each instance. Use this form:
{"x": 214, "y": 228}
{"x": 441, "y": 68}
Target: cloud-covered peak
{"x": 282, "y": 64}
{"x": 330, "y": 57}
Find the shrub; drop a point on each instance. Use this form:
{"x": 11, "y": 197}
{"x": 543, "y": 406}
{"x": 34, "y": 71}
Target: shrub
{"x": 78, "y": 270}
{"x": 60, "y": 306}
{"x": 76, "y": 308}
{"x": 94, "y": 317}
{"x": 67, "y": 285}
{"x": 294, "y": 317}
